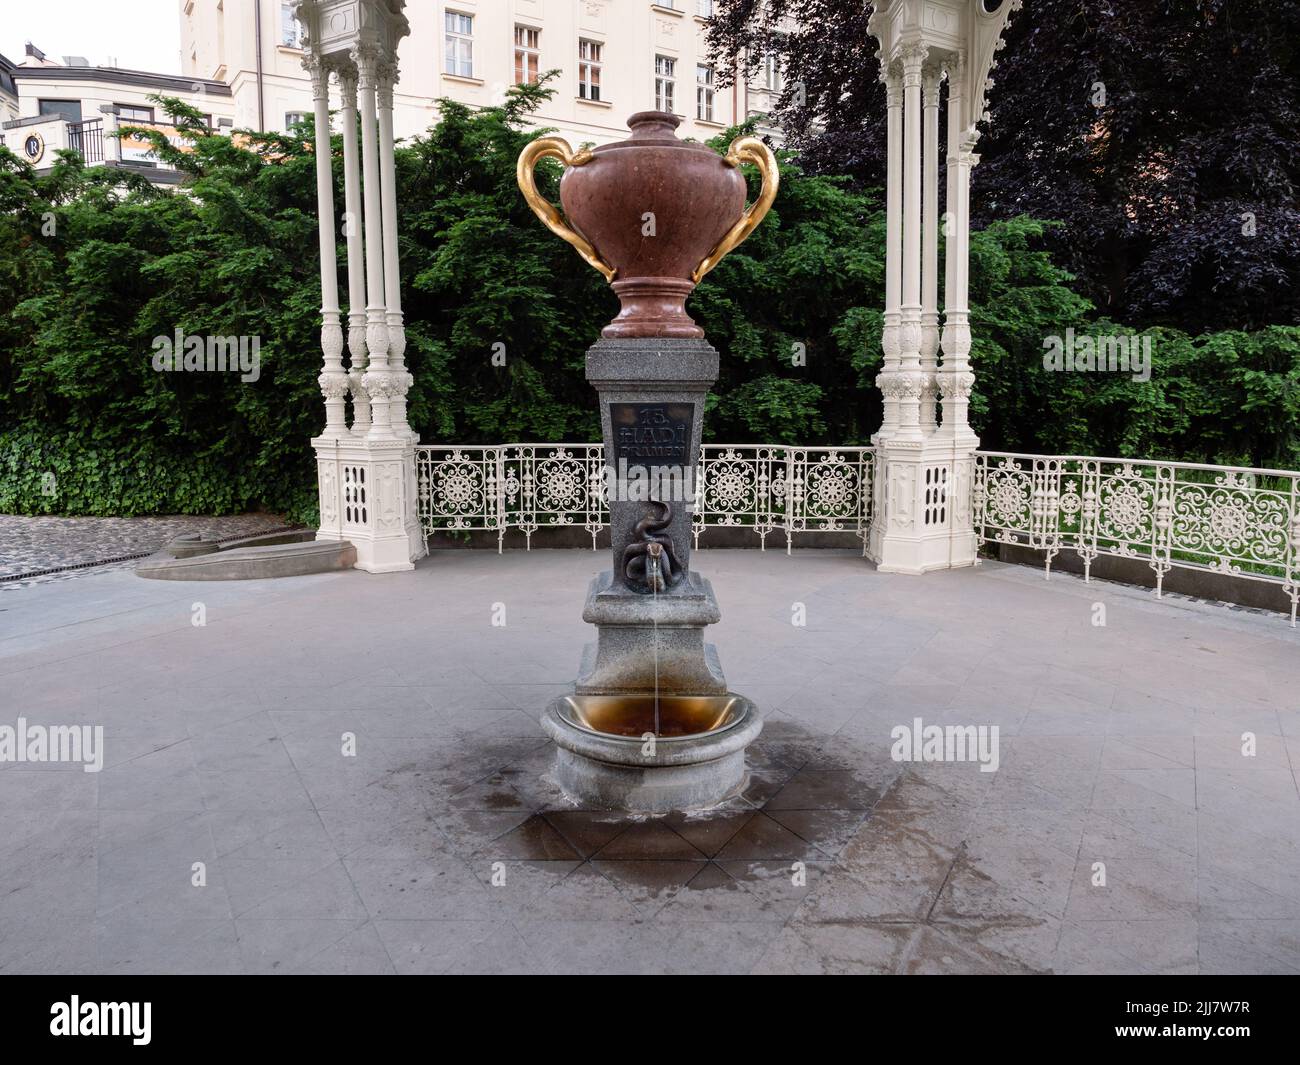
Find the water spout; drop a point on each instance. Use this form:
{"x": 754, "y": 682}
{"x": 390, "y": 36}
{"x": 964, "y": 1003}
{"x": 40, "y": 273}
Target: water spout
{"x": 649, "y": 562}
{"x": 654, "y": 567}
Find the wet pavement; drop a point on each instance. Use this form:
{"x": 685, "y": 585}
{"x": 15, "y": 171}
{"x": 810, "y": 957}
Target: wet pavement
{"x": 1124, "y": 830}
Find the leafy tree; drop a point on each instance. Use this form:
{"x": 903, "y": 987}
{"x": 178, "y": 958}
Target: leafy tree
{"x": 1164, "y": 134}
{"x": 96, "y": 264}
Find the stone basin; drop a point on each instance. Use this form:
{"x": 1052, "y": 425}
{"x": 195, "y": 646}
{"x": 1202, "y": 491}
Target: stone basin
{"x": 605, "y": 760}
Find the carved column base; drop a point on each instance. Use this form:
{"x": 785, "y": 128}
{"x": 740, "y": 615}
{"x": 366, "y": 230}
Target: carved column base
{"x": 368, "y": 497}
{"x": 923, "y": 517}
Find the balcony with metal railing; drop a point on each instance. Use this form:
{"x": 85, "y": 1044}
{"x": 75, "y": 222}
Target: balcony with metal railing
{"x": 87, "y": 138}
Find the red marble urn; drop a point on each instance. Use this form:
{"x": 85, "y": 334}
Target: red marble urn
{"x": 653, "y": 213}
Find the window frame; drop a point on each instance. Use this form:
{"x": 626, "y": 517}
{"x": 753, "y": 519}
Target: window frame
{"x": 587, "y": 88}
{"x": 454, "y": 41}
{"x": 291, "y": 31}
{"x": 665, "y": 83}
{"x": 525, "y": 51}
{"x": 773, "y": 77}
{"x": 135, "y": 107}
{"x": 41, "y": 108}
{"x": 705, "y": 83}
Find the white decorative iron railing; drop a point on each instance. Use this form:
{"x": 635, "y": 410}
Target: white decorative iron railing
{"x": 763, "y": 487}
{"x": 1227, "y": 519}
{"x": 1234, "y": 520}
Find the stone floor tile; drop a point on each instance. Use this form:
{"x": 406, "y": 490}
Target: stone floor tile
{"x": 836, "y": 948}
{"x": 1120, "y": 746}
{"x": 1249, "y": 947}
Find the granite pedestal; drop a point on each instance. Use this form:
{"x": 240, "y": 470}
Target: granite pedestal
{"x": 652, "y": 394}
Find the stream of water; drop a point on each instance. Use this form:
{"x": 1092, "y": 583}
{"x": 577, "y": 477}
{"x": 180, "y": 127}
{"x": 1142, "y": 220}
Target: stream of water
{"x": 652, "y": 571}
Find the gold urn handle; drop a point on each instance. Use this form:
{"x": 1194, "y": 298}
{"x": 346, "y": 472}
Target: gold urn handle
{"x": 745, "y": 150}
{"x": 557, "y": 148}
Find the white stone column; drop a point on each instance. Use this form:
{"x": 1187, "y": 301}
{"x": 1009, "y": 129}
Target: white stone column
{"x": 910, "y": 379}
{"x": 333, "y": 380}
{"x": 376, "y": 380}
{"x": 931, "y": 79}
{"x": 892, "y": 78}
{"x": 354, "y": 231}
{"x": 955, "y": 379}
{"x": 923, "y": 497}
{"x": 367, "y": 474}
{"x": 400, "y": 381}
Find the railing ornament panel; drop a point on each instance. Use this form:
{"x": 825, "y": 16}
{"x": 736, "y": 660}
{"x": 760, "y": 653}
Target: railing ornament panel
{"x": 1235, "y": 520}
{"x": 763, "y": 487}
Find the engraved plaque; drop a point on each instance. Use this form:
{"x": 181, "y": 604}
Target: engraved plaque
{"x": 652, "y": 434}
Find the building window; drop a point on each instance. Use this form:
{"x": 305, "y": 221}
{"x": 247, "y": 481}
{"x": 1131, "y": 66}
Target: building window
{"x": 294, "y": 118}
{"x": 459, "y": 44}
{"x": 131, "y": 113}
{"x": 704, "y": 93}
{"x": 664, "y": 82}
{"x": 772, "y": 73}
{"x": 290, "y": 28}
{"x": 704, "y": 8}
{"x": 527, "y": 54}
{"x": 69, "y": 109}
{"x": 589, "y": 69}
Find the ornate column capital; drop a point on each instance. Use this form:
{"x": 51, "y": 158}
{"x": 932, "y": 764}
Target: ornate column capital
{"x": 893, "y": 90}
{"x": 347, "y": 75}
{"x": 931, "y": 78}
{"x": 912, "y": 56}
{"x": 319, "y": 72}
{"x": 387, "y": 76}
{"x": 367, "y": 56}
{"x": 954, "y": 65}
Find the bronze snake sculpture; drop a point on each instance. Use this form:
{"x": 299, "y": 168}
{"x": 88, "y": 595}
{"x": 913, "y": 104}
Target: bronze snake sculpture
{"x": 650, "y": 542}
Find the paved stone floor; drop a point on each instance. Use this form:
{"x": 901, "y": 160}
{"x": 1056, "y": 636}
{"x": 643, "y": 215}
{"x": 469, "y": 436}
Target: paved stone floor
{"x": 34, "y": 544}
{"x": 1119, "y": 744}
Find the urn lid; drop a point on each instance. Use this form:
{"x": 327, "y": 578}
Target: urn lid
{"x": 653, "y": 129}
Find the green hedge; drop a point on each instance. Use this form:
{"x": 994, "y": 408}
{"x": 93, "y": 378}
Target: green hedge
{"x": 128, "y": 480}
{"x": 95, "y": 265}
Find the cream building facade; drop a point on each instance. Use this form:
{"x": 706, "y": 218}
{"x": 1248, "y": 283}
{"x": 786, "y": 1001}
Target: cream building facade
{"x": 614, "y": 57}
{"x": 47, "y": 106}
{"x": 8, "y": 91}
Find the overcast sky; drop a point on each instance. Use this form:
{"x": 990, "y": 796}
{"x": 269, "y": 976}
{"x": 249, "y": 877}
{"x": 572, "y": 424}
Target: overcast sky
{"x": 141, "y": 34}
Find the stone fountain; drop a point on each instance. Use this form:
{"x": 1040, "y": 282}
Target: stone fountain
{"x": 651, "y": 726}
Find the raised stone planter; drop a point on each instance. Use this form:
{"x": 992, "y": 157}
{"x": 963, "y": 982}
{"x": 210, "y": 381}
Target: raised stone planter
{"x": 253, "y": 563}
